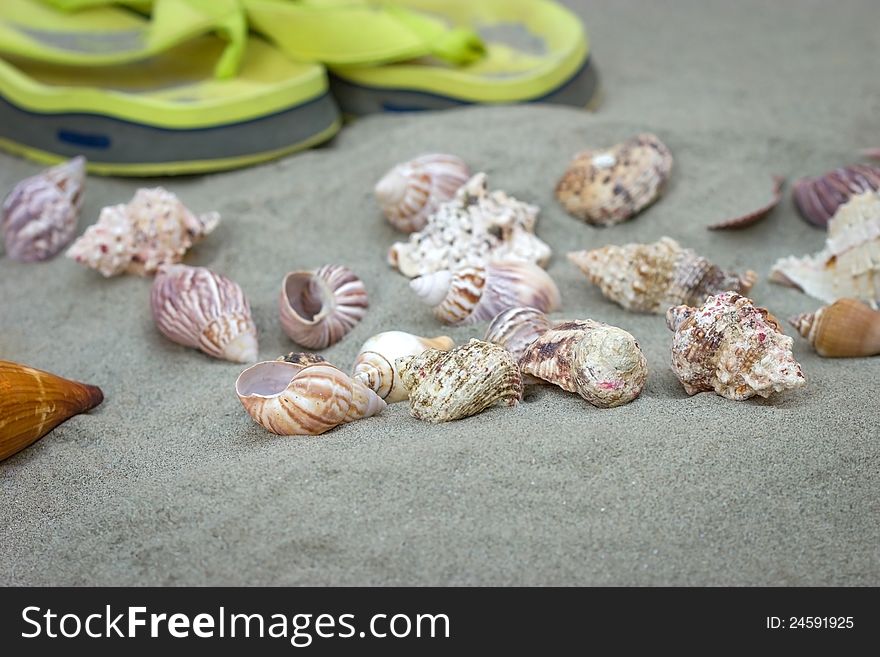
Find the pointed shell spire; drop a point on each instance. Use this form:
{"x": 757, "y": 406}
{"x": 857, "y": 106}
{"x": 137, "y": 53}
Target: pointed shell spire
{"x": 847, "y": 328}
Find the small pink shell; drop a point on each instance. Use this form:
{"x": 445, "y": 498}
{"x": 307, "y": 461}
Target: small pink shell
{"x": 754, "y": 217}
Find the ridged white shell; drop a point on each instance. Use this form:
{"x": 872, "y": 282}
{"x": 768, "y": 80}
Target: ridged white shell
{"x": 197, "y": 308}
{"x": 153, "y": 229}
{"x": 318, "y": 308}
{"x": 516, "y": 328}
{"x": 374, "y": 366}
{"x": 40, "y": 213}
{"x": 411, "y": 191}
{"x": 476, "y": 294}
{"x": 289, "y": 399}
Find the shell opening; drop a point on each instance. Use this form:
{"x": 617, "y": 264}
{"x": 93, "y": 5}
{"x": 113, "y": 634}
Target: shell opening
{"x": 266, "y": 379}
{"x": 305, "y": 295}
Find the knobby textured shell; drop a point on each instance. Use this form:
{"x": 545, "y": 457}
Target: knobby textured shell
{"x": 450, "y": 385}
{"x": 476, "y": 294}
{"x": 33, "y": 402}
{"x": 603, "y": 364}
{"x": 849, "y": 265}
{"x": 745, "y": 220}
{"x": 291, "y": 399}
{"x": 817, "y": 199}
{"x": 374, "y": 366}
{"x": 733, "y": 347}
{"x": 649, "y": 278}
{"x": 318, "y": 308}
{"x": 476, "y": 227}
{"x": 410, "y": 192}
{"x": 607, "y": 186}
{"x": 40, "y": 213}
{"x": 846, "y": 329}
{"x": 197, "y": 308}
{"x": 153, "y": 229}
{"x": 516, "y": 328}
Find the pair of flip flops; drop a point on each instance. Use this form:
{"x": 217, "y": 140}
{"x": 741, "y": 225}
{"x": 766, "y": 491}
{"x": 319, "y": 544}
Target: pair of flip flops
{"x": 147, "y": 87}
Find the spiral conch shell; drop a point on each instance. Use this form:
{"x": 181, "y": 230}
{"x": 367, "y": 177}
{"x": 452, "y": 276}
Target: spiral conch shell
{"x": 608, "y": 186}
{"x": 410, "y": 192}
{"x": 474, "y": 228}
{"x": 153, "y": 229}
{"x": 40, "y": 213}
{"x": 849, "y": 265}
{"x": 476, "y": 294}
{"x": 303, "y": 398}
{"x": 733, "y": 347}
{"x": 649, "y": 278}
{"x": 374, "y": 366}
{"x": 450, "y": 385}
{"x": 197, "y": 308}
{"x": 318, "y": 308}
{"x": 603, "y": 364}
{"x": 847, "y": 328}
{"x": 33, "y": 402}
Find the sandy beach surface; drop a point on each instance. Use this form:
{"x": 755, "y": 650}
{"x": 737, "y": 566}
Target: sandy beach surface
{"x": 170, "y": 482}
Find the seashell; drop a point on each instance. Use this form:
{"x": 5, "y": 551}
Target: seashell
{"x": 516, "y": 328}
{"x": 151, "y": 230}
{"x": 849, "y": 265}
{"x": 608, "y": 186}
{"x": 733, "y": 347}
{"x": 295, "y": 399}
{"x": 649, "y": 278}
{"x": 40, "y": 213}
{"x": 374, "y": 366}
{"x": 603, "y": 364}
{"x": 33, "y": 402}
{"x": 474, "y": 228}
{"x": 743, "y": 221}
{"x": 410, "y": 192}
{"x": 450, "y": 385}
{"x": 197, "y": 308}
{"x": 301, "y": 358}
{"x": 847, "y": 328}
{"x": 318, "y": 308}
{"x": 476, "y": 294}
{"x": 817, "y": 199}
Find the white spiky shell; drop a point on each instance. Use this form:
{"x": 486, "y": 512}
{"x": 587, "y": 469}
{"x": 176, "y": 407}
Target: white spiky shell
{"x": 411, "y": 191}
{"x": 733, "y": 347}
{"x": 151, "y": 230}
{"x": 476, "y": 294}
{"x": 603, "y": 364}
{"x": 291, "y": 399}
{"x": 450, "y": 385}
{"x": 197, "y": 308}
{"x": 476, "y": 227}
{"x": 374, "y": 365}
{"x": 650, "y": 278}
{"x": 849, "y": 265}
{"x": 318, "y": 308}
{"x": 40, "y": 213}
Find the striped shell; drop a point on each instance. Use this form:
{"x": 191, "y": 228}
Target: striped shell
{"x": 374, "y": 366}
{"x": 411, "y": 191}
{"x": 846, "y": 329}
{"x": 450, "y": 385}
{"x": 603, "y": 364}
{"x": 733, "y": 347}
{"x": 291, "y": 399}
{"x": 197, "y": 308}
{"x": 318, "y": 308}
{"x": 817, "y": 199}
{"x": 151, "y": 230}
{"x": 40, "y": 213}
{"x": 516, "y": 328}
{"x": 476, "y": 294}
{"x": 608, "y": 186}
{"x": 649, "y": 278}
{"x": 33, "y": 402}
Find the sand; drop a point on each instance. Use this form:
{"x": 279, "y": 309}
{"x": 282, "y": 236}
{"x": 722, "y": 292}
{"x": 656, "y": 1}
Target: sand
{"x": 170, "y": 482}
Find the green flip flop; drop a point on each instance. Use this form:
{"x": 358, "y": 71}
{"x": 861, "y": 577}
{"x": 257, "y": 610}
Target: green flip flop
{"x": 184, "y": 90}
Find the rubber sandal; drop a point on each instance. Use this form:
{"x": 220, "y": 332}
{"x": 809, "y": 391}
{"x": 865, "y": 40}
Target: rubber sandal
{"x": 156, "y": 103}
{"x": 535, "y": 50}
